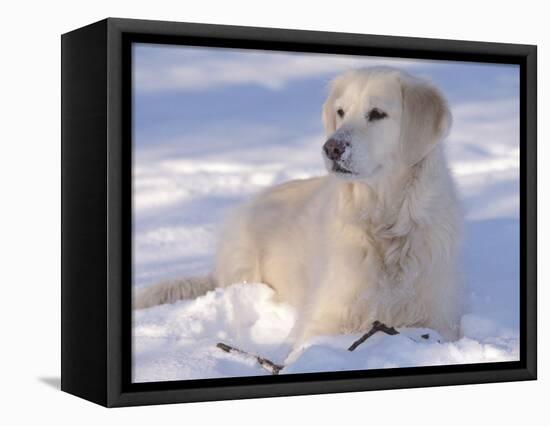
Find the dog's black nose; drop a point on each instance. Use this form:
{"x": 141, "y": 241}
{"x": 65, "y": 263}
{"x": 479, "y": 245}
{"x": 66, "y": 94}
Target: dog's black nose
{"x": 334, "y": 148}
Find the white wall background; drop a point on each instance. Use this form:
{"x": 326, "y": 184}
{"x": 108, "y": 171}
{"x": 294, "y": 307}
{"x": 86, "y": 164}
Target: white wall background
{"x": 29, "y": 225}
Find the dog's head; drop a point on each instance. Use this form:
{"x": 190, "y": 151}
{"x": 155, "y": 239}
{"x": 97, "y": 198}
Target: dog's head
{"x": 377, "y": 119}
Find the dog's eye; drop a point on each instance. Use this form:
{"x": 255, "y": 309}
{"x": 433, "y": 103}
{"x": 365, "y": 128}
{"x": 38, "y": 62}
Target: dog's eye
{"x": 376, "y": 114}
{"x": 340, "y": 112}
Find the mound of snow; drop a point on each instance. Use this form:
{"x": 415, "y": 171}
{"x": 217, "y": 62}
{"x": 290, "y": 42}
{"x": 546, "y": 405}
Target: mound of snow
{"x": 178, "y": 342}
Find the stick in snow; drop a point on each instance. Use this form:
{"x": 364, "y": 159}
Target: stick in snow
{"x": 376, "y": 326}
{"x": 264, "y": 362}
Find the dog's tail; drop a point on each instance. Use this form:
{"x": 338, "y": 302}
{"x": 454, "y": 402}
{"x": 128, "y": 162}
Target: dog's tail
{"x": 173, "y": 290}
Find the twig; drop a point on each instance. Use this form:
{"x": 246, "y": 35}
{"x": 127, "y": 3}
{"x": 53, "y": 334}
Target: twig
{"x": 376, "y": 326}
{"x": 264, "y": 362}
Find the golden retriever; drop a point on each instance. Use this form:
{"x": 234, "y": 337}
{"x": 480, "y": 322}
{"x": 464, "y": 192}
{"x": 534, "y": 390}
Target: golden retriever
{"x": 375, "y": 239}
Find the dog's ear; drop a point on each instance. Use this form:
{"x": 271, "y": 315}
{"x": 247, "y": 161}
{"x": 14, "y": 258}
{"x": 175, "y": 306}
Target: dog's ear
{"x": 426, "y": 119}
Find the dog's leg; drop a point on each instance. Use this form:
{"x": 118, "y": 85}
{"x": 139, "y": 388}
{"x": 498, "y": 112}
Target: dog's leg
{"x": 173, "y": 290}
{"x": 313, "y": 323}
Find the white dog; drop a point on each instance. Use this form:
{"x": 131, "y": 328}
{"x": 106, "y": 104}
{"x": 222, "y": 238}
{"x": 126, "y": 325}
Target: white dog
{"x": 375, "y": 239}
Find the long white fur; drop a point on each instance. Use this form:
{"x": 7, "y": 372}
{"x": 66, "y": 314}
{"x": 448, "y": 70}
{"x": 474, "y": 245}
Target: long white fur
{"x": 349, "y": 249}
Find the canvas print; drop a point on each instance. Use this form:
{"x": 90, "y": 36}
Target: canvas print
{"x": 304, "y": 213}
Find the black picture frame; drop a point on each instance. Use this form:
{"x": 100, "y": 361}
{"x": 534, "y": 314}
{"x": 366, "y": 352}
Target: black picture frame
{"x": 97, "y": 218}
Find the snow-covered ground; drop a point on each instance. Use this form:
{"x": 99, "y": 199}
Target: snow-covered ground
{"x": 187, "y": 178}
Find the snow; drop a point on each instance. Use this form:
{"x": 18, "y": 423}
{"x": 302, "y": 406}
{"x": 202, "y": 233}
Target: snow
{"x": 187, "y": 180}
{"x": 178, "y": 342}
